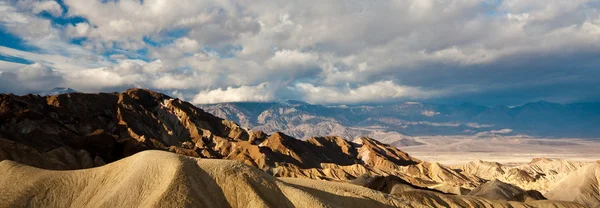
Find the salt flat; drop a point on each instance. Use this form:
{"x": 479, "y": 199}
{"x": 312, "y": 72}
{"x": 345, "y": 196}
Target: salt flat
{"x": 452, "y": 150}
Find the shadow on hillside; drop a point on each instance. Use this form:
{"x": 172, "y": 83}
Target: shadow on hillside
{"x": 333, "y": 200}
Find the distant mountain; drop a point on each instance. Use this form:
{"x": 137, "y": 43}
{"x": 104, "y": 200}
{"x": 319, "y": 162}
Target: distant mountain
{"x": 56, "y": 91}
{"x": 395, "y": 122}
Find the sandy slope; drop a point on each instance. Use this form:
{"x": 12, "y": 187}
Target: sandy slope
{"x": 163, "y": 179}
{"x": 580, "y": 186}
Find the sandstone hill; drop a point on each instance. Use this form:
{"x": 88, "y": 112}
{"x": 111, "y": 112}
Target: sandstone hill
{"x": 581, "y": 186}
{"x": 555, "y": 179}
{"x": 162, "y": 179}
{"x": 498, "y": 190}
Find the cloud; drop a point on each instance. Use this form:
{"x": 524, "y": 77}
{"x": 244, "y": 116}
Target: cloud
{"x": 293, "y": 64}
{"x": 51, "y": 7}
{"x": 502, "y": 131}
{"x": 29, "y": 78}
{"x": 260, "y": 93}
{"x": 187, "y": 45}
{"x": 36, "y": 72}
{"x": 371, "y": 93}
{"x": 504, "y": 52}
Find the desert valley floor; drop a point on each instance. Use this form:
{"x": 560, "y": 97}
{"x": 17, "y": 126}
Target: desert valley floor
{"x": 449, "y": 150}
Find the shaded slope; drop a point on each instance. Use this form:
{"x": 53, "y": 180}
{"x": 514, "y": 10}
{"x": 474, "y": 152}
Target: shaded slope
{"x": 498, "y": 190}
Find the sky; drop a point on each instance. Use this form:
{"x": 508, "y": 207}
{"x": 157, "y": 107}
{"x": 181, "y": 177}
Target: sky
{"x": 493, "y": 52}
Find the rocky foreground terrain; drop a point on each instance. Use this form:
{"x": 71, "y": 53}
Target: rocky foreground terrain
{"x": 107, "y": 134}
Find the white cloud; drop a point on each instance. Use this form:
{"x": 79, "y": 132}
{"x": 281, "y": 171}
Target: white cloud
{"x": 261, "y": 92}
{"x": 30, "y": 78}
{"x": 81, "y": 29}
{"x": 6, "y": 66}
{"x": 187, "y": 45}
{"x": 292, "y": 60}
{"x": 51, "y": 7}
{"x": 375, "y": 92}
{"x": 430, "y": 113}
{"x": 35, "y": 71}
{"x": 501, "y": 131}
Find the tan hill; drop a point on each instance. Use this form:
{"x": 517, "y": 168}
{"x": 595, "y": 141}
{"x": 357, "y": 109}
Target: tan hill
{"x": 434, "y": 199}
{"x": 387, "y": 183}
{"x": 491, "y": 194}
{"x": 482, "y": 169}
{"x": 162, "y": 179}
{"x": 580, "y": 186}
{"x": 442, "y": 175}
{"x": 555, "y": 179}
{"x": 498, "y": 190}
{"x": 541, "y": 174}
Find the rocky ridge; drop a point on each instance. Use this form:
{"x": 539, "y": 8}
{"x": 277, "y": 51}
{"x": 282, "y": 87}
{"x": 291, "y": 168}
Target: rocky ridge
{"x": 78, "y": 130}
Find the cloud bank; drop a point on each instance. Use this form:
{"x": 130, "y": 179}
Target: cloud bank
{"x": 205, "y": 51}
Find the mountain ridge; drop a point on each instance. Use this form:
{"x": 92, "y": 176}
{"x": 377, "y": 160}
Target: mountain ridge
{"x": 543, "y": 119}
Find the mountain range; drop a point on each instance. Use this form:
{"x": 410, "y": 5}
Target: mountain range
{"x": 395, "y": 123}
{"x": 106, "y": 144}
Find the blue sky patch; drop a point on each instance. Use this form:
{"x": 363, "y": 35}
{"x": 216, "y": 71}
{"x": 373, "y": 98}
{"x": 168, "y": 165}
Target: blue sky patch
{"x": 15, "y": 59}
{"x": 10, "y": 40}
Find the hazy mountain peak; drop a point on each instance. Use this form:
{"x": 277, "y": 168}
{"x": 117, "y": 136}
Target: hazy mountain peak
{"x": 57, "y": 91}
{"x": 295, "y": 102}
